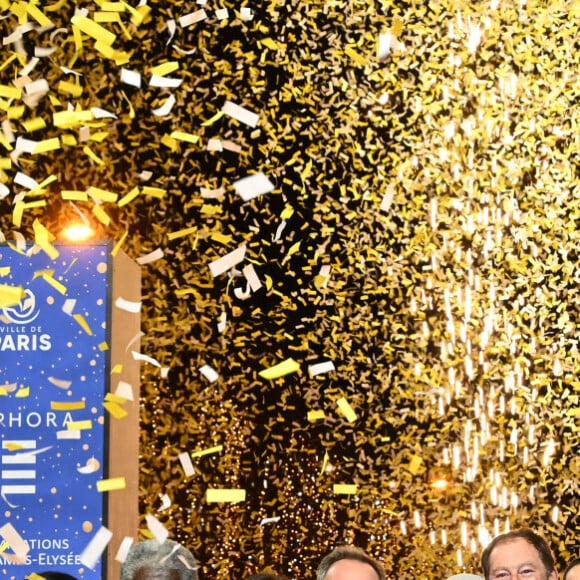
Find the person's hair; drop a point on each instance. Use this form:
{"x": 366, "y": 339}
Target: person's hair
{"x": 151, "y": 560}
{"x": 529, "y": 536}
{"x": 572, "y": 564}
{"x": 267, "y": 576}
{"x": 348, "y": 553}
{"x": 156, "y": 572}
{"x": 54, "y": 575}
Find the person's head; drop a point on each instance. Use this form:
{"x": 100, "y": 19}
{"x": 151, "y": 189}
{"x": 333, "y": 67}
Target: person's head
{"x": 572, "y": 571}
{"x": 150, "y": 560}
{"x": 349, "y": 563}
{"x": 518, "y": 555}
{"x": 267, "y": 576}
{"x": 53, "y": 575}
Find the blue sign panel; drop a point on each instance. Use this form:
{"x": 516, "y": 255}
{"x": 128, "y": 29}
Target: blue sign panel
{"x": 53, "y": 380}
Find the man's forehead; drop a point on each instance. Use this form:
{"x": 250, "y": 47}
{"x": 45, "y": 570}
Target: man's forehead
{"x": 352, "y": 570}
{"x": 515, "y": 548}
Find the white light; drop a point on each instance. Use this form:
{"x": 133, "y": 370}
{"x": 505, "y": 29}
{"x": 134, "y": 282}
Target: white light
{"x": 77, "y": 232}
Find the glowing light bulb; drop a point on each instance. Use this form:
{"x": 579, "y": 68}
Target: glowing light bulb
{"x": 77, "y": 232}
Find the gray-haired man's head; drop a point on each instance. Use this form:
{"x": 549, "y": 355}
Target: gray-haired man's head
{"x": 151, "y": 560}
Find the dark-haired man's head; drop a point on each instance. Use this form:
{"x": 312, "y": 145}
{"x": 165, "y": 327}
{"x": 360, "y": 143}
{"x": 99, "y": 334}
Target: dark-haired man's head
{"x": 349, "y": 563}
{"x": 572, "y": 571}
{"x": 267, "y": 576}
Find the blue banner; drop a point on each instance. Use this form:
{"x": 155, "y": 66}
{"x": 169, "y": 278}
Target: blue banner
{"x": 54, "y": 372}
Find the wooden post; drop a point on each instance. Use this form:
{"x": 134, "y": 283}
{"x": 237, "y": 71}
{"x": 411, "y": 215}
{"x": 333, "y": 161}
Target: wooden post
{"x": 122, "y": 506}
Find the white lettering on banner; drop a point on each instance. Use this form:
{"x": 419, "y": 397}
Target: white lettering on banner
{"x": 48, "y": 544}
{"x": 33, "y": 420}
{"x": 69, "y": 559}
{"x": 25, "y": 342}
{"x": 4, "y": 562}
{"x": 44, "y": 559}
{"x": 20, "y": 329}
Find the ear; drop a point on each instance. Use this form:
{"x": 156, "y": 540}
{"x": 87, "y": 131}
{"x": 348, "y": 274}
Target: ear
{"x": 553, "y": 575}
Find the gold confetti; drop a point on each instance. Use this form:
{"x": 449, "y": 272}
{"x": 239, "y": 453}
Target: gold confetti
{"x": 414, "y": 221}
